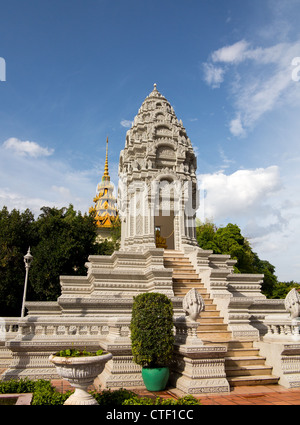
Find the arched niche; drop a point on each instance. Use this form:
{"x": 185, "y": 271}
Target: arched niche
{"x": 165, "y": 156}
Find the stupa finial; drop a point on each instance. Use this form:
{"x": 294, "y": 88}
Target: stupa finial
{"x": 106, "y": 161}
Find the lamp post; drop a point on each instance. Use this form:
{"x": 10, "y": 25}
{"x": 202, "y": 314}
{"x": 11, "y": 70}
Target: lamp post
{"x": 27, "y": 260}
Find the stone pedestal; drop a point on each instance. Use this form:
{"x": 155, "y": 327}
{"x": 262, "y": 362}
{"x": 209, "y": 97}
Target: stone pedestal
{"x": 197, "y": 368}
{"x": 284, "y": 357}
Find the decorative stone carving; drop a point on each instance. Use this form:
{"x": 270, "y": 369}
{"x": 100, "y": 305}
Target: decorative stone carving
{"x": 192, "y": 305}
{"x": 292, "y": 303}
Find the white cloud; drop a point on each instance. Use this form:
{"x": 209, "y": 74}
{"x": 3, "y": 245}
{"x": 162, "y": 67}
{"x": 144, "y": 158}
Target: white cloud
{"x": 236, "y": 126}
{"x": 20, "y": 201}
{"x": 24, "y": 148}
{"x": 47, "y": 181}
{"x": 234, "y": 53}
{"x": 213, "y": 75}
{"x": 241, "y": 195}
{"x": 126, "y": 123}
{"x": 265, "y": 84}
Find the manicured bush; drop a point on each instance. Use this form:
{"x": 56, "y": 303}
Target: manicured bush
{"x": 112, "y": 398}
{"x": 43, "y": 391}
{"x": 23, "y": 385}
{"x": 186, "y": 400}
{"x": 45, "y": 394}
{"x": 152, "y": 330}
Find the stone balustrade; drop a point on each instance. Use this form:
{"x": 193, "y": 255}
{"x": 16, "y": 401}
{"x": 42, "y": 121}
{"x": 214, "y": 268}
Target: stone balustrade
{"x": 282, "y": 326}
{"x": 9, "y": 327}
{"x": 71, "y": 327}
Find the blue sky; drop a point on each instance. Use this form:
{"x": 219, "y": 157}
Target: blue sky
{"x": 77, "y": 71}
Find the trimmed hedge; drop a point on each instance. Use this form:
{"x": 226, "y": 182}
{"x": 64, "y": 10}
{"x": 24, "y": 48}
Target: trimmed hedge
{"x": 151, "y": 328}
{"x": 43, "y": 391}
{"x": 45, "y": 394}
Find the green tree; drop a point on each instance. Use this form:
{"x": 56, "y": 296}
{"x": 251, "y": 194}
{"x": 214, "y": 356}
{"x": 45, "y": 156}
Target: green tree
{"x": 17, "y": 233}
{"x": 229, "y": 240}
{"x": 281, "y": 289}
{"x": 65, "y": 240}
{"x": 61, "y": 241}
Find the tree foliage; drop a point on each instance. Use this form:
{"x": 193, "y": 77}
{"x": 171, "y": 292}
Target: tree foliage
{"x": 17, "y": 233}
{"x": 60, "y": 240}
{"x": 229, "y": 240}
{"x": 65, "y": 239}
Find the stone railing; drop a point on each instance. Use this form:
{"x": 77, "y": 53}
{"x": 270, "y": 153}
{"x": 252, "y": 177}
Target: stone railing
{"x": 71, "y": 327}
{"x": 9, "y": 328}
{"x": 285, "y": 325}
{"x": 282, "y": 327}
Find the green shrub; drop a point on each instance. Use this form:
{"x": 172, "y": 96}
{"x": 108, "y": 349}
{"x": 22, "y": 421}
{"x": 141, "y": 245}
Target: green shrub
{"x": 186, "y": 400}
{"x": 110, "y": 398}
{"x": 138, "y": 401}
{"x": 23, "y": 385}
{"x": 74, "y": 352}
{"x": 152, "y": 330}
{"x": 49, "y": 396}
{"x": 45, "y": 394}
{"x": 43, "y": 391}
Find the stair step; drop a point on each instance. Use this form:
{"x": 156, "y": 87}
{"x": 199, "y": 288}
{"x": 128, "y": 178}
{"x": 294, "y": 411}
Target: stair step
{"x": 185, "y": 280}
{"x": 182, "y": 292}
{"x": 209, "y": 313}
{"x": 249, "y": 371}
{"x": 244, "y": 361}
{"x": 186, "y": 289}
{"x": 216, "y": 327}
{"x": 240, "y": 344}
{"x": 213, "y": 336}
{"x": 184, "y": 272}
{"x": 178, "y": 262}
{"x": 235, "y": 381}
{"x": 238, "y": 352}
{"x": 210, "y": 320}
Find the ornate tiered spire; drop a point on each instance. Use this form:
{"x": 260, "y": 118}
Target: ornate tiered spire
{"x": 106, "y": 175}
{"x": 105, "y": 203}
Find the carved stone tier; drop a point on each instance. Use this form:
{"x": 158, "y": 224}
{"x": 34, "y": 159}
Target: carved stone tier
{"x": 121, "y": 275}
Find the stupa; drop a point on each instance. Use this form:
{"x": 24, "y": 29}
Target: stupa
{"x": 105, "y": 209}
{"x": 157, "y": 185}
{"x": 226, "y": 332}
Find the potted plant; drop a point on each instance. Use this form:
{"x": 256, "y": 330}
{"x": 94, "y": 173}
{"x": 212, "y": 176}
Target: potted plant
{"x": 80, "y": 368}
{"x": 152, "y": 337}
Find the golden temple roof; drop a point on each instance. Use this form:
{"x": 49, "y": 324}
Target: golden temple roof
{"x": 105, "y": 209}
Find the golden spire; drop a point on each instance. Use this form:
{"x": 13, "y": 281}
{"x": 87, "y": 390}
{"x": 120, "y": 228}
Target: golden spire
{"x": 106, "y": 175}
{"x": 105, "y": 209}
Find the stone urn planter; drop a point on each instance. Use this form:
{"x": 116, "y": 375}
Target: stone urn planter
{"x": 81, "y": 372}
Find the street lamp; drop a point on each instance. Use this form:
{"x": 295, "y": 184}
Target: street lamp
{"x": 27, "y": 260}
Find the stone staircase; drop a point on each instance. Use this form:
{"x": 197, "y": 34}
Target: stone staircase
{"x": 243, "y": 364}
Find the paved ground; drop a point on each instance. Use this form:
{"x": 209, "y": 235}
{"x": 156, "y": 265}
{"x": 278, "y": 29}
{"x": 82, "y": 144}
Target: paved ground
{"x": 251, "y": 395}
